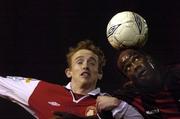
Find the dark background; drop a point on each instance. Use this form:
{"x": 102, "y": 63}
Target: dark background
{"x": 35, "y": 36}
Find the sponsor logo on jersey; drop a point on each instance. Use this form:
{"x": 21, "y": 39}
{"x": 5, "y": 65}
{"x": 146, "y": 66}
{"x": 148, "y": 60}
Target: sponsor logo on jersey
{"x": 155, "y": 111}
{"x": 90, "y": 111}
{"x": 28, "y": 80}
{"x": 54, "y": 103}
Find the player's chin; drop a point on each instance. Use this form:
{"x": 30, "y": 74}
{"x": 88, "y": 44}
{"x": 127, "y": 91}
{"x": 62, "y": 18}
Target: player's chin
{"x": 146, "y": 84}
{"x": 84, "y": 78}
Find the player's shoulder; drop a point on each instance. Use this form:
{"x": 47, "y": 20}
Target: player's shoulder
{"x": 20, "y": 78}
{"x": 173, "y": 70}
{"x": 171, "y": 67}
{"x": 50, "y": 85}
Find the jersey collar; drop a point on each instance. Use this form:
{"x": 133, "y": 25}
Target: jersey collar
{"x": 93, "y": 92}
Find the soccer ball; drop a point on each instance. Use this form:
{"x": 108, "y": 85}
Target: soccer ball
{"x": 127, "y": 30}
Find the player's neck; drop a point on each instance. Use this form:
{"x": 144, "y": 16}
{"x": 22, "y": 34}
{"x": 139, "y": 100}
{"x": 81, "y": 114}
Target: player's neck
{"x": 83, "y": 90}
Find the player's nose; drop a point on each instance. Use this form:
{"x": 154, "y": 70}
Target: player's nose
{"x": 85, "y": 65}
{"x": 135, "y": 66}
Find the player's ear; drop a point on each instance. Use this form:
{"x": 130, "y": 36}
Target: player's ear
{"x": 68, "y": 72}
{"x": 150, "y": 61}
{"x": 100, "y": 75}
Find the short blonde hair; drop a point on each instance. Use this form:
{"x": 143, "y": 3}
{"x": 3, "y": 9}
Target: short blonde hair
{"x": 89, "y": 45}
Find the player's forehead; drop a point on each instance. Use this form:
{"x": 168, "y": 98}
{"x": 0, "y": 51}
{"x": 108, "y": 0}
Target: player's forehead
{"x": 84, "y": 53}
{"x": 125, "y": 55}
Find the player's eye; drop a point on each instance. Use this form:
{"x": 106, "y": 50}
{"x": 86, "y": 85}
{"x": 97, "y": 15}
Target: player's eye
{"x": 92, "y": 63}
{"x": 127, "y": 68}
{"x": 79, "y": 61}
{"x": 136, "y": 59}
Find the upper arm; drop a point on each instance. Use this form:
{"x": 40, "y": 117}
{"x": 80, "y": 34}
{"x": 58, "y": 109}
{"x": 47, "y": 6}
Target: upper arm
{"x": 126, "y": 111}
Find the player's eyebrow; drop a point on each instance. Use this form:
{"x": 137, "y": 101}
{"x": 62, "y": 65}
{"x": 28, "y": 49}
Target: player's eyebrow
{"x": 91, "y": 58}
{"x": 124, "y": 61}
{"x": 128, "y": 60}
{"x": 79, "y": 57}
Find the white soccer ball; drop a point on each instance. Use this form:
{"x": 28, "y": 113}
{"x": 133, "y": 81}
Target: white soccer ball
{"x": 127, "y": 30}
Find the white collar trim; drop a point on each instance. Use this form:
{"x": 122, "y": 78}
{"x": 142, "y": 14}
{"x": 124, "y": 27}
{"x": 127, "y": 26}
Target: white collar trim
{"x": 93, "y": 92}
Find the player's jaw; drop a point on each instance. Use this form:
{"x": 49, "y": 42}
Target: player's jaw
{"x": 145, "y": 77}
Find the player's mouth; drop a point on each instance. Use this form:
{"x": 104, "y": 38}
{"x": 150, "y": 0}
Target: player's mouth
{"x": 141, "y": 73}
{"x": 85, "y": 74}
